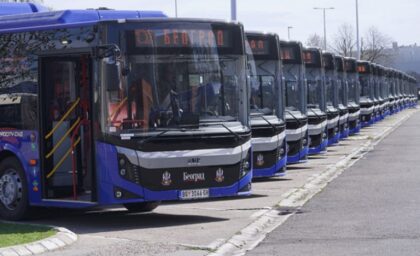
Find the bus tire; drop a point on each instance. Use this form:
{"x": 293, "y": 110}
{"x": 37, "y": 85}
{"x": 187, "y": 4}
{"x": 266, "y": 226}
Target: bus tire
{"x": 142, "y": 207}
{"x": 14, "y": 203}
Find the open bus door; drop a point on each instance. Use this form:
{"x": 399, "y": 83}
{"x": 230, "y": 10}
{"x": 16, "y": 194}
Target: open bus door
{"x": 65, "y": 126}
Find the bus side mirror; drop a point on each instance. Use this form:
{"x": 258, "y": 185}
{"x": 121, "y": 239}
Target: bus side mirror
{"x": 106, "y": 51}
{"x": 111, "y": 76}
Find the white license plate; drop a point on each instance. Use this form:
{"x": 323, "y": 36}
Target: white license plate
{"x": 194, "y": 194}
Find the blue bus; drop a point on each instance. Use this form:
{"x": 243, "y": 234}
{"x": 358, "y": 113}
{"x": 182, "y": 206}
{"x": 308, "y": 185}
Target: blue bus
{"x": 413, "y": 91}
{"x": 383, "y": 91}
{"x": 297, "y": 136}
{"x": 130, "y": 108}
{"x": 353, "y": 85}
{"x": 393, "y": 104}
{"x": 317, "y": 115}
{"x": 342, "y": 97}
{"x": 378, "y": 86}
{"x": 367, "y": 107}
{"x": 400, "y": 88}
{"x": 375, "y": 98}
{"x": 333, "y": 112}
{"x": 267, "y": 105}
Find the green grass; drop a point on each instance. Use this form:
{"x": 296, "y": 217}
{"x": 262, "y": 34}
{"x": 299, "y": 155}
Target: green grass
{"x": 13, "y": 234}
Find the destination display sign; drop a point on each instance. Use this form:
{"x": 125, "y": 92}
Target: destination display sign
{"x": 350, "y": 66}
{"x": 289, "y": 53}
{"x": 259, "y": 45}
{"x": 310, "y": 57}
{"x": 362, "y": 69}
{"x": 182, "y": 38}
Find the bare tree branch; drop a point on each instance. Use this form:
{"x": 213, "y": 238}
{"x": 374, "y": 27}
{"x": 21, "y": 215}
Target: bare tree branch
{"x": 344, "y": 41}
{"x": 315, "y": 40}
{"x": 374, "y": 45}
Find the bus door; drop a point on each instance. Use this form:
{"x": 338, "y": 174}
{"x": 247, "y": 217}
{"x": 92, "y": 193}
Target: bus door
{"x": 66, "y": 134}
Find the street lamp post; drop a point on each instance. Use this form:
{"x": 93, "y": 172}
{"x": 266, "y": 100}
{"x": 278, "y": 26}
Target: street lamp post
{"x": 176, "y": 8}
{"x": 357, "y": 30}
{"x": 288, "y": 32}
{"x": 233, "y": 9}
{"x": 325, "y": 24}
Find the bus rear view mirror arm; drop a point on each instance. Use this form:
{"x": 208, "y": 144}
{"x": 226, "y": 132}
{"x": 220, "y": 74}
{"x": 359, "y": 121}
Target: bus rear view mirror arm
{"x": 106, "y": 51}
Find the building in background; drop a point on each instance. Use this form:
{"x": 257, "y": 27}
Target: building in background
{"x": 407, "y": 59}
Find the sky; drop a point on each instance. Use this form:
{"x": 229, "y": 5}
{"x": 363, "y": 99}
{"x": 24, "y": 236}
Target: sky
{"x": 397, "y": 19}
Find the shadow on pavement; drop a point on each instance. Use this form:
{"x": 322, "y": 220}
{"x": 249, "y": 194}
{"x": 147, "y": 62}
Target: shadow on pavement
{"x": 261, "y": 180}
{"x": 293, "y": 168}
{"x": 82, "y": 222}
{"x": 318, "y": 157}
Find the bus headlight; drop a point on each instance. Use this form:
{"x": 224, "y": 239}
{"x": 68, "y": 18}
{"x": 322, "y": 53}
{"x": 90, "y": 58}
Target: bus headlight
{"x": 245, "y": 165}
{"x": 122, "y": 165}
{"x": 280, "y": 152}
{"x": 121, "y": 162}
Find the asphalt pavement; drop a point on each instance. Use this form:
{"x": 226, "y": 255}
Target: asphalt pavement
{"x": 198, "y": 228}
{"x": 373, "y": 208}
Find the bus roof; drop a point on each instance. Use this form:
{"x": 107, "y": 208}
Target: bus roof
{"x": 68, "y": 18}
{"x": 20, "y": 8}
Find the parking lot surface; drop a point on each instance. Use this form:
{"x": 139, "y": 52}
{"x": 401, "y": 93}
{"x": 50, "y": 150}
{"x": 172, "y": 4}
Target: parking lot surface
{"x": 201, "y": 227}
{"x": 372, "y": 209}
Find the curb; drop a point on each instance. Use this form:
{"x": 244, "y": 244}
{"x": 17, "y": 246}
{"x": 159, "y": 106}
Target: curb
{"x": 252, "y": 235}
{"x": 63, "y": 238}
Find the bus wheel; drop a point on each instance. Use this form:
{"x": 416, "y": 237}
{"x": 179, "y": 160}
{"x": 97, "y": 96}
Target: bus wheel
{"x": 13, "y": 190}
{"x": 142, "y": 207}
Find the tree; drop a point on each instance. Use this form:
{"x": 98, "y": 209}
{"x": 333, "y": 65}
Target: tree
{"x": 344, "y": 41}
{"x": 373, "y": 47}
{"x": 315, "y": 40}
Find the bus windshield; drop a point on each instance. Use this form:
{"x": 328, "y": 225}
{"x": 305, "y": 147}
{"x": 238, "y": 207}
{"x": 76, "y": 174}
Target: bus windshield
{"x": 293, "y": 91}
{"x": 378, "y": 88}
{"x": 352, "y": 87}
{"x": 341, "y": 92}
{"x": 177, "y": 78}
{"x": 364, "y": 86}
{"x": 263, "y": 95}
{"x": 392, "y": 91}
{"x": 329, "y": 88}
{"x": 314, "y": 84}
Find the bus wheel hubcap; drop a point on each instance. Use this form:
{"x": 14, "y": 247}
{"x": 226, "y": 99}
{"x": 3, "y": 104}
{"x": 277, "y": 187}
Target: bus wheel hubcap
{"x": 10, "y": 189}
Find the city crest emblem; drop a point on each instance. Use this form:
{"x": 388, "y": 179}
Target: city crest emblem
{"x": 260, "y": 160}
{"x": 219, "y": 175}
{"x": 166, "y": 179}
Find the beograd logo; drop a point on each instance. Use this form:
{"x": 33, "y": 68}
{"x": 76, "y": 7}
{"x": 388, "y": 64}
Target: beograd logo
{"x": 194, "y": 177}
{"x": 166, "y": 179}
{"x": 219, "y": 175}
{"x": 260, "y": 159}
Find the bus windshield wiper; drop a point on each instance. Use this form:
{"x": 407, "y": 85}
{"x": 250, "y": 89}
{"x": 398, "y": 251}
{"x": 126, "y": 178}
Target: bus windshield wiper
{"x": 237, "y": 136}
{"x": 161, "y": 133}
{"x": 265, "y": 119}
{"x": 294, "y": 117}
{"x": 315, "y": 113}
{"x": 143, "y": 141}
